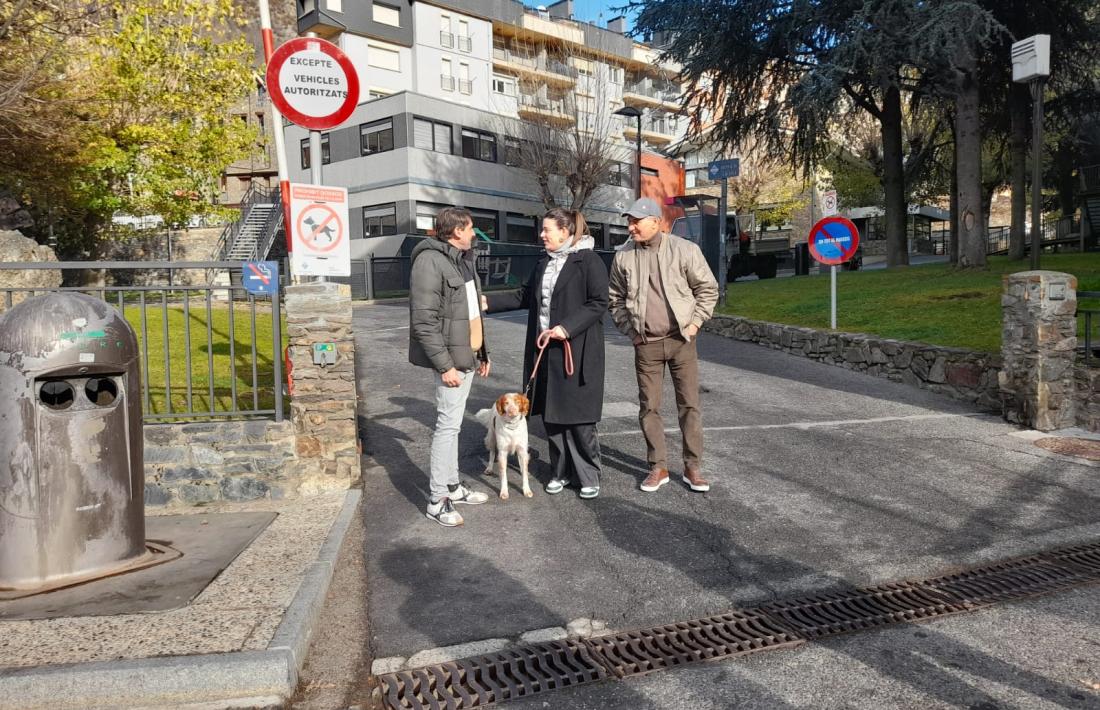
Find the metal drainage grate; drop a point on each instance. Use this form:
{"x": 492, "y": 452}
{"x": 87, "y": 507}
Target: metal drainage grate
{"x": 725, "y": 636}
{"x": 496, "y": 677}
{"x": 526, "y": 670}
{"x": 1082, "y": 448}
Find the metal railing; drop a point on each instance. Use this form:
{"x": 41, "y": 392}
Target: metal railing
{"x": 446, "y": 82}
{"x": 206, "y": 351}
{"x": 271, "y": 228}
{"x": 1090, "y": 178}
{"x": 464, "y": 43}
{"x": 1087, "y": 320}
{"x": 535, "y": 61}
{"x": 253, "y": 195}
{"x": 543, "y": 103}
{"x": 446, "y": 39}
{"x": 667, "y": 95}
{"x": 465, "y": 86}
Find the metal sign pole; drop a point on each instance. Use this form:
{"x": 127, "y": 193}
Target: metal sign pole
{"x": 722, "y": 265}
{"x": 832, "y": 291}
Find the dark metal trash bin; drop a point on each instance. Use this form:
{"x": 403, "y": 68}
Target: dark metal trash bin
{"x": 71, "y": 468}
{"x": 801, "y": 259}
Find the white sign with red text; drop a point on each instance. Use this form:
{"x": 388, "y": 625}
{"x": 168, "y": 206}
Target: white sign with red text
{"x": 319, "y": 230}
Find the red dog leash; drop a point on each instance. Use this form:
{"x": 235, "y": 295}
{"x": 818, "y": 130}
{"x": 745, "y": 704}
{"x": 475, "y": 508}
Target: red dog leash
{"x": 543, "y": 341}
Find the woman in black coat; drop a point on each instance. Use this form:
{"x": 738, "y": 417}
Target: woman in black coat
{"x": 566, "y": 298}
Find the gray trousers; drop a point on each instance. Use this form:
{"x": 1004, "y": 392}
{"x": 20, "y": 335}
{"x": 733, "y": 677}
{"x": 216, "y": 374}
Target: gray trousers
{"x": 450, "y": 407}
{"x": 574, "y": 453}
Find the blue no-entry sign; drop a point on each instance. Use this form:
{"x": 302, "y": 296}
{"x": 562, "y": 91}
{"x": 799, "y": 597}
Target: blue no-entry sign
{"x": 720, "y": 169}
{"x": 260, "y": 278}
{"x": 833, "y": 241}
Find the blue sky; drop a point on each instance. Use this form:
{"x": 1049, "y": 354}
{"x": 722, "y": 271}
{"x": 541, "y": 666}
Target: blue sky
{"x": 589, "y": 10}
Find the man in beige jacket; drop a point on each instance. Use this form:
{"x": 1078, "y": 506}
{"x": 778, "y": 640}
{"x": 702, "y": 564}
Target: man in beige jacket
{"x": 661, "y": 292}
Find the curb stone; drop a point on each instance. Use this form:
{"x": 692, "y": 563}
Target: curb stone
{"x": 239, "y": 679}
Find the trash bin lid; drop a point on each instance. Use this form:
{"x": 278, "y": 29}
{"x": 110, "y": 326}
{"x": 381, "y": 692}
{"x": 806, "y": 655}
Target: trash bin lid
{"x": 66, "y": 332}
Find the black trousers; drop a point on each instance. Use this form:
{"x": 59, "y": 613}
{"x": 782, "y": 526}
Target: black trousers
{"x": 574, "y": 453}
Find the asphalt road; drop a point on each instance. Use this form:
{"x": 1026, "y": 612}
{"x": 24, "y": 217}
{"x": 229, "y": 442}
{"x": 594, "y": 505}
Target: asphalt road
{"x": 822, "y": 479}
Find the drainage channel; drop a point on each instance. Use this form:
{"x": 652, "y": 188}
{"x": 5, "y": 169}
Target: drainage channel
{"x": 536, "y": 668}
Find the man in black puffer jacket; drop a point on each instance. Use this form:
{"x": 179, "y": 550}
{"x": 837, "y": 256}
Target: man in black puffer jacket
{"x": 446, "y": 334}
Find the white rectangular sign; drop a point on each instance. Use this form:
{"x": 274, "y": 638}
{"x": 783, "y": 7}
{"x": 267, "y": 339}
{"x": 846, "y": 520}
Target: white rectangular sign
{"x": 319, "y": 229}
{"x": 828, "y": 204}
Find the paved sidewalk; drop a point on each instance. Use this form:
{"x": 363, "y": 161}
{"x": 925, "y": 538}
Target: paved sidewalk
{"x": 240, "y": 641}
{"x": 823, "y": 479}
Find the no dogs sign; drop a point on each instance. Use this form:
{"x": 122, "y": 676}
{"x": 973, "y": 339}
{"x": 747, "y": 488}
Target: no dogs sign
{"x": 319, "y": 230}
{"x": 313, "y": 83}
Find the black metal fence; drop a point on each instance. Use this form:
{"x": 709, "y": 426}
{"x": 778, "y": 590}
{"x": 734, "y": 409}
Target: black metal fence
{"x": 207, "y": 350}
{"x": 1088, "y": 322}
{"x": 501, "y": 266}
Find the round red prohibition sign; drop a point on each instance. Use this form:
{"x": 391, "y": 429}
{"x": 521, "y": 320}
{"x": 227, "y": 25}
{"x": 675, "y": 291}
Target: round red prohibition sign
{"x": 313, "y": 83}
{"x": 320, "y": 228}
{"x": 833, "y": 241}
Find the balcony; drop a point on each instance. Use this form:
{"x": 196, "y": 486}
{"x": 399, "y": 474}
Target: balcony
{"x": 659, "y": 132}
{"x": 541, "y": 108}
{"x": 534, "y": 66}
{"x": 446, "y": 82}
{"x": 648, "y": 95}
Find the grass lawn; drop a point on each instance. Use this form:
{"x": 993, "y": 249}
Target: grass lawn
{"x": 226, "y": 372}
{"x": 931, "y": 303}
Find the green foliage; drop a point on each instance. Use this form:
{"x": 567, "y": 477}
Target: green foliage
{"x": 138, "y": 119}
{"x": 934, "y": 303}
{"x": 856, "y": 182}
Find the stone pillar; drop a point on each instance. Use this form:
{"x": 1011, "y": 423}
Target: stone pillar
{"x": 1038, "y": 349}
{"x": 323, "y": 399}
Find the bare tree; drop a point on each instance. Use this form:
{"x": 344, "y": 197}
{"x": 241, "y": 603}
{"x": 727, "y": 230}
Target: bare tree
{"x": 566, "y": 138}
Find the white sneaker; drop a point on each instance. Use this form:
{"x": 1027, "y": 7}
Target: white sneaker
{"x": 462, "y": 494}
{"x": 590, "y": 492}
{"x": 444, "y": 513}
{"x": 554, "y": 486}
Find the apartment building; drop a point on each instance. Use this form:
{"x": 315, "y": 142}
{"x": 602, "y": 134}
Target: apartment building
{"x": 447, "y": 89}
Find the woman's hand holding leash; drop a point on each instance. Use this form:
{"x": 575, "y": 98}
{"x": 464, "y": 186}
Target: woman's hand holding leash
{"x": 555, "y": 333}
{"x": 483, "y": 368}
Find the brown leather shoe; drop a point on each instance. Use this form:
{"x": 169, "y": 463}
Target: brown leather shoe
{"x": 695, "y": 480}
{"x": 656, "y": 478}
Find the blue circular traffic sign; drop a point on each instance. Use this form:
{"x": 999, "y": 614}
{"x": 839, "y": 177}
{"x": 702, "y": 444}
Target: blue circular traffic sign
{"x": 833, "y": 241}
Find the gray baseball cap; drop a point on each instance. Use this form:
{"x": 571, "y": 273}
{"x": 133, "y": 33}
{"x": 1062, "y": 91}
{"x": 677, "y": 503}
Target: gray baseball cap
{"x": 643, "y": 207}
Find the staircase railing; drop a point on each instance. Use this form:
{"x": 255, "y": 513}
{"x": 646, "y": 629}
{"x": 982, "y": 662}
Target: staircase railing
{"x": 271, "y": 227}
{"x": 1090, "y": 178}
{"x": 254, "y": 194}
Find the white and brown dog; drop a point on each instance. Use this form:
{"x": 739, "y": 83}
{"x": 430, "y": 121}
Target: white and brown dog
{"x": 506, "y": 422}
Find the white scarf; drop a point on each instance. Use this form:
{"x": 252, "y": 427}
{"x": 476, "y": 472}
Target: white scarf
{"x": 553, "y": 270}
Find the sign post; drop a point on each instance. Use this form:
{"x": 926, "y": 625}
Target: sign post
{"x": 833, "y": 241}
{"x": 723, "y": 170}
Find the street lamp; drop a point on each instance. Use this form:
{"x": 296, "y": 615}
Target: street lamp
{"x": 1031, "y": 65}
{"x": 631, "y": 112}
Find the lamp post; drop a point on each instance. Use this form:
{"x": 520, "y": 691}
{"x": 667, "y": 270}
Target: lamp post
{"x": 630, "y": 111}
{"x": 1031, "y": 65}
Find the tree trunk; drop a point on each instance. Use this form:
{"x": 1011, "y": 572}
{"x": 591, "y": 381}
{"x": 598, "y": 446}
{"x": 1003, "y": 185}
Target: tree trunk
{"x": 893, "y": 180}
{"x": 1017, "y": 149}
{"x": 972, "y": 240}
{"x": 953, "y": 247}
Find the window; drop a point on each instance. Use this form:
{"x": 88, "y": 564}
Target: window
{"x": 376, "y": 94}
{"x": 425, "y": 217}
{"x": 621, "y": 175}
{"x": 479, "y": 145}
{"x": 464, "y": 43}
{"x": 619, "y": 235}
{"x": 486, "y": 221}
{"x": 376, "y": 137}
{"x": 325, "y": 155}
{"x": 521, "y": 228}
{"x": 596, "y": 230}
{"x": 504, "y": 86}
{"x": 431, "y": 135}
{"x": 380, "y": 220}
{"x": 615, "y": 75}
{"x": 384, "y": 14}
{"x": 464, "y": 84}
{"x": 513, "y": 151}
{"x": 383, "y": 58}
{"x": 335, "y": 5}
{"x": 446, "y": 75}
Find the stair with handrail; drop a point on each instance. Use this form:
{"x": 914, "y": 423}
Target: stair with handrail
{"x": 253, "y": 235}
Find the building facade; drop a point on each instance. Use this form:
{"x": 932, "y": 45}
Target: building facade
{"x": 447, "y": 88}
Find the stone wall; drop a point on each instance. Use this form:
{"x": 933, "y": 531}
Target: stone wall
{"x": 191, "y": 464}
{"x": 961, "y": 374}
